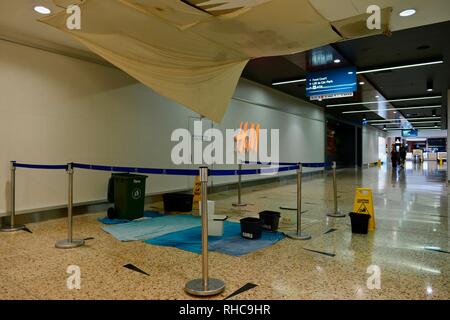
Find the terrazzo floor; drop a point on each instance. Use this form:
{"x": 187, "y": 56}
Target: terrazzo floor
{"x": 411, "y": 248}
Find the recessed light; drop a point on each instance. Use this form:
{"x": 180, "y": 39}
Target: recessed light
{"x": 395, "y": 112}
{"x": 377, "y": 96}
{"x": 337, "y": 60}
{"x": 407, "y": 12}
{"x": 42, "y": 10}
{"x": 430, "y": 85}
{"x": 362, "y": 83}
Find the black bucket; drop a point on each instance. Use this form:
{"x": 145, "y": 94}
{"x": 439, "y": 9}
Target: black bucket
{"x": 179, "y": 202}
{"x": 360, "y": 222}
{"x": 270, "y": 220}
{"x": 251, "y": 228}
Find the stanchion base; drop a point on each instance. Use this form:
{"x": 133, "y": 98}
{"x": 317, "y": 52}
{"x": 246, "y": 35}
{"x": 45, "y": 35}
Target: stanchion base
{"x": 14, "y": 228}
{"x": 66, "y": 244}
{"x": 239, "y": 204}
{"x": 195, "y": 287}
{"x": 296, "y": 236}
{"x": 338, "y": 214}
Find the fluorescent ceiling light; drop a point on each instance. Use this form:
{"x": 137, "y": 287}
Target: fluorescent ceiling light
{"x": 287, "y": 82}
{"x": 407, "y": 12}
{"x": 361, "y": 83}
{"x": 414, "y": 128}
{"x": 416, "y": 122}
{"x": 42, "y": 10}
{"x": 393, "y": 109}
{"x": 415, "y": 65}
{"x": 337, "y": 61}
{"x": 410, "y": 119}
{"x": 377, "y": 102}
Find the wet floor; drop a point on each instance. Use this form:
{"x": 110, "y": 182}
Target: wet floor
{"x": 406, "y": 257}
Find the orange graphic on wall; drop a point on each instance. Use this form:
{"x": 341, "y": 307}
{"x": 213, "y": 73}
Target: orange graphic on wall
{"x": 247, "y": 139}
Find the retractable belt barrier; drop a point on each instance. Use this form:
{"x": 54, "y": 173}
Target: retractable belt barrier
{"x": 186, "y": 172}
{"x": 201, "y": 287}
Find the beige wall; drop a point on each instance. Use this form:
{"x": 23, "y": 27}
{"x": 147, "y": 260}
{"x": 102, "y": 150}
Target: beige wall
{"x": 370, "y": 143}
{"x": 55, "y": 109}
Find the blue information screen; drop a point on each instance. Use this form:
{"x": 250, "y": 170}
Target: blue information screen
{"x": 342, "y": 80}
{"x": 410, "y": 132}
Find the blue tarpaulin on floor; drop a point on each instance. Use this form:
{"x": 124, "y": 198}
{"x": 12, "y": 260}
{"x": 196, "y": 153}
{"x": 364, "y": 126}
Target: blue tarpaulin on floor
{"x": 231, "y": 243}
{"x": 147, "y": 214}
{"x": 152, "y": 227}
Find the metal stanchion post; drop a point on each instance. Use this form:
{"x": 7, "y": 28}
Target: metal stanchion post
{"x": 239, "y": 203}
{"x": 69, "y": 243}
{"x": 298, "y": 234}
{"x": 12, "y": 226}
{"x": 205, "y": 286}
{"x": 336, "y": 212}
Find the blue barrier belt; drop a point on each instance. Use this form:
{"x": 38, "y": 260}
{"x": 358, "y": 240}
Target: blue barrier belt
{"x": 174, "y": 172}
{"x": 270, "y": 163}
{"x": 316, "y": 165}
{"x": 177, "y": 172}
{"x": 41, "y": 166}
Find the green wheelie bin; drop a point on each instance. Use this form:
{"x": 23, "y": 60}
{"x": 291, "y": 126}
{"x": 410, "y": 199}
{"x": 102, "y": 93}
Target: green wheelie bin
{"x": 127, "y": 192}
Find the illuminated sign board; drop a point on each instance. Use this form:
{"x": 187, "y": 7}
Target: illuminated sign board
{"x": 331, "y": 83}
{"x": 410, "y": 133}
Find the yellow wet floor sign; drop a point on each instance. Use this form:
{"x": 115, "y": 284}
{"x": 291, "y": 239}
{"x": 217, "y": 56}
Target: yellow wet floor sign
{"x": 364, "y": 204}
{"x": 197, "y": 191}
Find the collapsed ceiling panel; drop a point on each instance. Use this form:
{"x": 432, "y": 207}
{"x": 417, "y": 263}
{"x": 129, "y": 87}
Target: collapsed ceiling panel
{"x": 194, "y": 51}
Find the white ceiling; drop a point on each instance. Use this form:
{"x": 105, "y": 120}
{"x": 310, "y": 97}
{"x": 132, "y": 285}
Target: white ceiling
{"x": 18, "y": 21}
{"x": 428, "y": 11}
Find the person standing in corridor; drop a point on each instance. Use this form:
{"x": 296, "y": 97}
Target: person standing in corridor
{"x": 402, "y": 156}
{"x": 394, "y": 157}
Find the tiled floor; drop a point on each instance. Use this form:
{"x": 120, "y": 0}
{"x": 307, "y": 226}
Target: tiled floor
{"x": 411, "y": 208}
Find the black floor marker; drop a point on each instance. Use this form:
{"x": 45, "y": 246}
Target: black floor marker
{"x": 330, "y": 231}
{"x": 134, "y": 268}
{"x": 246, "y": 287}
{"x": 27, "y": 230}
{"x": 436, "y": 250}
{"x": 311, "y": 203}
{"x": 321, "y": 252}
{"x": 89, "y": 238}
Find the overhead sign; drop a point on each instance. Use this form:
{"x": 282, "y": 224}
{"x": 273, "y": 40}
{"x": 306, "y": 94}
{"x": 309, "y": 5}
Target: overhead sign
{"x": 410, "y": 133}
{"x": 331, "y": 82}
